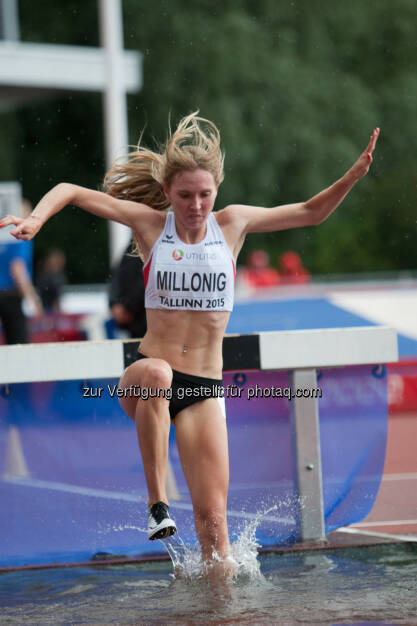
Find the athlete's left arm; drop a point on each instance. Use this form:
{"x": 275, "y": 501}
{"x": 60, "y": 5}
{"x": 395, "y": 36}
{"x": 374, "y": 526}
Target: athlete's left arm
{"x": 311, "y": 212}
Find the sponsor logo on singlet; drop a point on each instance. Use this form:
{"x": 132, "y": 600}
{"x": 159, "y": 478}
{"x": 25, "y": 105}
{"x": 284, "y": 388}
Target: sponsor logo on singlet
{"x": 194, "y": 257}
{"x": 177, "y": 254}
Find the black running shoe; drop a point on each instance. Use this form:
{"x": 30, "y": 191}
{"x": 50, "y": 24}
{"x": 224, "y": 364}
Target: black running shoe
{"x": 160, "y": 525}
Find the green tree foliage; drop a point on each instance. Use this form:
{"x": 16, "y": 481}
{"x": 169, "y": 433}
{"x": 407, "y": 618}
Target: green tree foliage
{"x": 295, "y": 87}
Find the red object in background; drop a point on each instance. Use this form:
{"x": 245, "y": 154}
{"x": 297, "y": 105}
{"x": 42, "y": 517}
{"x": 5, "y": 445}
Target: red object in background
{"x": 402, "y": 386}
{"x": 56, "y": 327}
{"x": 53, "y": 327}
{"x": 291, "y": 269}
{"x": 258, "y": 272}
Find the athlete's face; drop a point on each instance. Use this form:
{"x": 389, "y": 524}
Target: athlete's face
{"x": 192, "y": 195}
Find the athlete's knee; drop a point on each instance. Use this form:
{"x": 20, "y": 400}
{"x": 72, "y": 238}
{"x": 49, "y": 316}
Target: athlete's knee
{"x": 157, "y": 374}
{"x": 148, "y": 376}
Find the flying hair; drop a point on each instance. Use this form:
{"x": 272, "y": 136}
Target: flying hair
{"x": 141, "y": 175}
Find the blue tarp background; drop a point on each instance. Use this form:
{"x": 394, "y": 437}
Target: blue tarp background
{"x": 85, "y": 490}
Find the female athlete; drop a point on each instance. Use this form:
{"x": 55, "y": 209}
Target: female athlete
{"x": 190, "y": 256}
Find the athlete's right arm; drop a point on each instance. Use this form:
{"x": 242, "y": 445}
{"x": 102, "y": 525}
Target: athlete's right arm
{"x": 96, "y": 202}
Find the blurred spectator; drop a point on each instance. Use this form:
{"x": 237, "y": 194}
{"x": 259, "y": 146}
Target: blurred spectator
{"x": 127, "y": 294}
{"x": 51, "y": 278}
{"x": 16, "y": 261}
{"x": 291, "y": 269}
{"x": 258, "y": 272}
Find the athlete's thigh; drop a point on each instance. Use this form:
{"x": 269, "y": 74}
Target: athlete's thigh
{"x": 201, "y": 436}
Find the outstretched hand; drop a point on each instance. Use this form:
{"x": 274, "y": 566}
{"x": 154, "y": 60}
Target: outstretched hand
{"x": 26, "y": 228}
{"x": 362, "y": 165}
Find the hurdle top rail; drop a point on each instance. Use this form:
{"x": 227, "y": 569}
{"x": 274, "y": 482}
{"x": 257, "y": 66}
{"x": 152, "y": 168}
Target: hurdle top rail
{"x": 275, "y": 350}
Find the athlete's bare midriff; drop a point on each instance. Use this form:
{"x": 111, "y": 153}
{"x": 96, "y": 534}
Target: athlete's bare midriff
{"x": 190, "y": 341}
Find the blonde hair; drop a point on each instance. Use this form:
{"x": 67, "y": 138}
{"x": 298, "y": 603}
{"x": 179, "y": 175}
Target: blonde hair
{"x": 142, "y": 175}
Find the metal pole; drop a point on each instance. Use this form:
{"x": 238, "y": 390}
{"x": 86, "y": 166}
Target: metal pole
{"x": 9, "y": 20}
{"x": 115, "y": 109}
{"x": 306, "y": 445}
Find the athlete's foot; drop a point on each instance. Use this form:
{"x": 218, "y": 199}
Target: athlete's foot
{"x": 220, "y": 572}
{"x": 160, "y": 525}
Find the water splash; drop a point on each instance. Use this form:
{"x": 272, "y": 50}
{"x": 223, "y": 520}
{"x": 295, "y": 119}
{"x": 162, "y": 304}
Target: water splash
{"x": 245, "y": 548}
{"x": 186, "y": 560}
{"x": 111, "y": 528}
{"x": 188, "y": 564}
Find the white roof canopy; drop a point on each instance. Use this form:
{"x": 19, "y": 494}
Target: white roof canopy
{"x": 28, "y": 69}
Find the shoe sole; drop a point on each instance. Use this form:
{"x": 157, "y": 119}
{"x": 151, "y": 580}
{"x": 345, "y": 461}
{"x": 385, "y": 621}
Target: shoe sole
{"x": 162, "y": 533}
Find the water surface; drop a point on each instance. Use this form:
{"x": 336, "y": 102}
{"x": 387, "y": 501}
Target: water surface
{"x": 344, "y": 586}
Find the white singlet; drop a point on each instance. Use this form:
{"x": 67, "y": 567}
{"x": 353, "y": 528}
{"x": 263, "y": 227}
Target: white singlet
{"x": 182, "y": 276}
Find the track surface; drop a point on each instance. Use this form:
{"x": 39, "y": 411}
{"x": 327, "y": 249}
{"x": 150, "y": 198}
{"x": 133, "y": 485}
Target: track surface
{"x": 395, "y": 509}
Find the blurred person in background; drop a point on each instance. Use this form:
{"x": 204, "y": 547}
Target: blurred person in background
{"x": 127, "y": 294}
{"x": 51, "y": 278}
{"x": 291, "y": 269}
{"x": 257, "y": 272}
{"x": 16, "y": 263}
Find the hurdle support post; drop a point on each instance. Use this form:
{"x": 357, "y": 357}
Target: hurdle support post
{"x": 301, "y": 353}
{"x": 306, "y": 445}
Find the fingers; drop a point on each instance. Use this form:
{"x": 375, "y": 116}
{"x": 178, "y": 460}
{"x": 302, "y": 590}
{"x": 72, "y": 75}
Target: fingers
{"x": 372, "y": 141}
{"x": 8, "y": 220}
{"x": 21, "y": 232}
{"x": 21, "y": 236}
{"x": 16, "y": 233}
